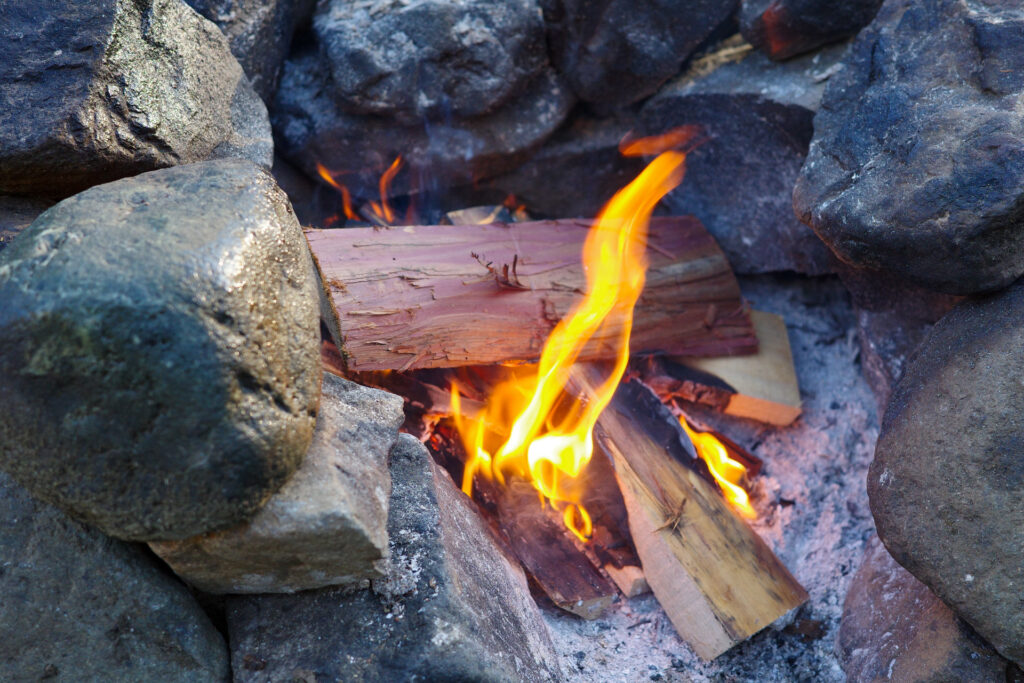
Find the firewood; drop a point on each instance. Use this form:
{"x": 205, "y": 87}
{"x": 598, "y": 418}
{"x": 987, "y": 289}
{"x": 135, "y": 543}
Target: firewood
{"x": 716, "y": 579}
{"x": 444, "y": 296}
{"x": 762, "y": 386}
{"x": 540, "y": 541}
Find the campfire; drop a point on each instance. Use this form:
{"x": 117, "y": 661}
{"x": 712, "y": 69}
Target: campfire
{"x": 526, "y": 340}
{"x": 521, "y": 436}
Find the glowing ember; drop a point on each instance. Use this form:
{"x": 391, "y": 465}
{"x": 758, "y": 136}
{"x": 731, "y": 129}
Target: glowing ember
{"x": 530, "y": 427}
{"x": 727, "y": 472}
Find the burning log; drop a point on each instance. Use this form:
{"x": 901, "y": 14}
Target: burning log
{"x": 443, "y": 296}
{"x": 716, "y": 579}
{"x": 762, "y": 386}
{"x": 565, "y": 573}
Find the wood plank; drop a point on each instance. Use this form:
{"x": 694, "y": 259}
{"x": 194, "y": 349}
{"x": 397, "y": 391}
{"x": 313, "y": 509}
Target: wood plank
{"x": 717, "y": 580}
{"x": 762, "y": 386}
{"x": 424, "y": 296}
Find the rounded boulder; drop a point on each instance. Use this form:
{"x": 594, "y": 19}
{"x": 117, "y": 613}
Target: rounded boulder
{"x": 159, "y": 351}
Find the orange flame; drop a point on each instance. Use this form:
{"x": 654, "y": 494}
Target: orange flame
{"x": 529, "y": 427}
{"x": 727, "y": 472}
{"x": 382, "y": 210}
{"x": 346, "y": 197}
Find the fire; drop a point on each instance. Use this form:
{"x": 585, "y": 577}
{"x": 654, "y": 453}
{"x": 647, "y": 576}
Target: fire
{"x": 727, "y": 472}
{"x": 381, "y": 210}
{"x": 530, "y": 427}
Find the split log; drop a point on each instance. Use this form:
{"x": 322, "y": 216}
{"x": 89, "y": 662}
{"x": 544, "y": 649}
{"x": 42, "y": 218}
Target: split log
{"x": 444, "y": 296}
{"x": 762, "y": 386}
{"x": 564, "y": 572}
{"x": 716, "y": 579}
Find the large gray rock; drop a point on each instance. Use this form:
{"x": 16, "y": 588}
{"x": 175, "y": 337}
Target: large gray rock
{"x": 260, "y": 33}
{"x": 415, "y": 60}
{"x": 945, "y": 486}
{"x": 756, "y": 116}
{"x": 620, "y": 51}
{"x": 449, "y": 151}
{"x": 159, "y": 351}
{"x": 783, "y": 28}
{"x": 451, "y": 608}
{"x": 16, "y": 214}
{"x": 917, "y": 163}
{"x": 95, "y": 91}
{"x": 894, "y": 629}
{"x": 80, "y": 606}
{"x": 327, "y": 525}
{"x": 577, "y": 170}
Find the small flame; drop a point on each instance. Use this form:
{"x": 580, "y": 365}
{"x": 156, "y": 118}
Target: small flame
{"x": 346, "y": 197}
{"x": 381, "y": 210}
{"x": 529, "y": 426}
{"x": 727, "y": 472}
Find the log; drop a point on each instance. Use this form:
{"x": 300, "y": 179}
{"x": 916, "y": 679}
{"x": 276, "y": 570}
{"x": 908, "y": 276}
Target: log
{"x": 761, "y": 386}
{"x": 565, "y": 572}
{"x": 444, "y": 296}
{"x": 718, "y": 582}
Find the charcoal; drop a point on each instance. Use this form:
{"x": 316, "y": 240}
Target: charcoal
{"x": 949, "y": 467}
{"x": 159, "y": 350}
{"x": 756, "y": 119}
{"x": 80, "y": 606}
{"x": 451, "y": 608}
{"x": 95, "y": 91}
{"x": 917, "y": 162}
{"x": 327, "y": 525}
{"x": 260, "y": 33}
{"x": 784, "y": 28}
{"x": 893, "y": 628}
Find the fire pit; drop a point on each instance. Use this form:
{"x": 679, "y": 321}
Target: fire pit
{"x": 500, "y": 341}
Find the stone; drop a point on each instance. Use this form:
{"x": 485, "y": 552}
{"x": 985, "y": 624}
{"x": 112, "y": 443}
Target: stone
{"x": 327, "y": 525}
{"x": 411, "y": 61}
{"x": 95, "y": 91}
{"x": 917, "y": 162}
{"x": 452, "y": 607}
{"x": 948, "y": 472}
{"x": 784, "y": 28}
{"x": 260, "y": 33}
{"x": 621, "y": 51}
{"x": 357, "y": 149}
{"x": 576, "y": 171}
{"x": 16, "y": 214}
{"x": 756, "y": 118}
{"x": 894, "y": 629}
{"x": 893, "y": 317}
{"x": 81, "y": 606}
{"x": 159, "y": 351}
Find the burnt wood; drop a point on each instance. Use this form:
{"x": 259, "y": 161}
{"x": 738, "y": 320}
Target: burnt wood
{"x": 451, "y": 295}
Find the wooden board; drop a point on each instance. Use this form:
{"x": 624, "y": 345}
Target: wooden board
{"x": 717, "y": 580}
{"x": 424, "y": 296}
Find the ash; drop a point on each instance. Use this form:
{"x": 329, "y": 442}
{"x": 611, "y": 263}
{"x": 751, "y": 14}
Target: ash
{"x": 812, "y": 511}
